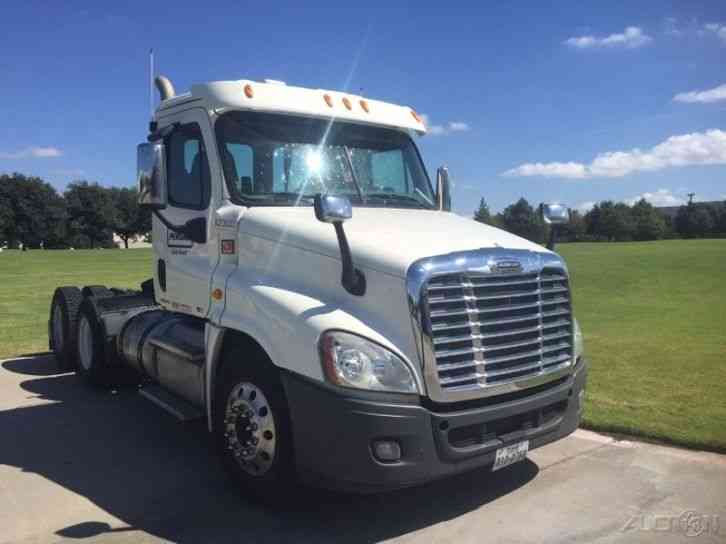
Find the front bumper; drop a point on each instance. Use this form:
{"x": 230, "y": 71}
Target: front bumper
{"x": 333, "y": 431}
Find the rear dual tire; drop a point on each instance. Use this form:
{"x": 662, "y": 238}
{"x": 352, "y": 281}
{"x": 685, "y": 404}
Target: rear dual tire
{"x": 97, "y": 363}
{"x": 97, "y": 291}
{"x": 63, "y": 326}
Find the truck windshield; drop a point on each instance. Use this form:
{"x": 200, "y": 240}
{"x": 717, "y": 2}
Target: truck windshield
{"x": 273, "y": 159}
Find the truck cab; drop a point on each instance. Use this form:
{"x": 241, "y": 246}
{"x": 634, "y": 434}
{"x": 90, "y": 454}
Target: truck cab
{"x": 316, "y": 300}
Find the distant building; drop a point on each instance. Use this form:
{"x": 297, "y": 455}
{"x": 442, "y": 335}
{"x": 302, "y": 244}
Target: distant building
{"x": 135, "y": 242}
{"x": 671, "y": 212}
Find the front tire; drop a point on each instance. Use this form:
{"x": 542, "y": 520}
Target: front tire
{"x": 252, "y": 427}
{"x": 63, "y": 326}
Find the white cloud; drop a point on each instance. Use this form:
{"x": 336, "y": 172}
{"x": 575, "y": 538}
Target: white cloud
{"x": 662, "y": 197}
{"x": 458, "y": 126}
{"x": 719, "y": 29}
{"x": 448, "y": 128}
{"x": 32, "y": 153}
{"x": 704, "y": 97}
{"x": 570, "y": 170}
{"x": 584, "y": 207}
{"x": 630, "y": 38}
{"x": 697, "y": 148}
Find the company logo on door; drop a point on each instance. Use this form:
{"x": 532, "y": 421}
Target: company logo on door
{"x": 177, "y": 239}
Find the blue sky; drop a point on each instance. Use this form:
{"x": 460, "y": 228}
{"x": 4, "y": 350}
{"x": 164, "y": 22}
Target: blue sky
{"x": 523, "y": 99}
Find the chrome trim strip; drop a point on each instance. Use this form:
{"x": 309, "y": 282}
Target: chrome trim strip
{"x": 481, "y": 264}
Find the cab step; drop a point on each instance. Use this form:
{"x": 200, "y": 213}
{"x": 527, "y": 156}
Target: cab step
{"x": 176, "y": 406}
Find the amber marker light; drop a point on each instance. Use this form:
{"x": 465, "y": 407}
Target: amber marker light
{"x": 328, "y": 100}
{"x": 249, "y": 92}
{"x": 364, "y": 105}
{"x": 347, "y": 103}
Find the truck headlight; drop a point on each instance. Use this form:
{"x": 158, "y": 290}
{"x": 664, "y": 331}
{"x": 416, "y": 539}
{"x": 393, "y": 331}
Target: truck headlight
{"x": 579, "y": 343}
{"x": 353, "y": 361}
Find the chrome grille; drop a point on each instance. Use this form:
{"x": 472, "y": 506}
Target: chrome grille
{"x": 494, "y": 329}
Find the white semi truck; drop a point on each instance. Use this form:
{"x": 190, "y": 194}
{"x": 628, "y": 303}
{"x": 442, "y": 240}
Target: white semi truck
{"x": 314, "y": 298}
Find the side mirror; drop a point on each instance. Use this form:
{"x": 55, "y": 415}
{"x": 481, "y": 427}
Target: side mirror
{"x": 443, "y": 189}
{"x": 336, "y": 210}
{"x": 151, "y": 175}
{"x": 332, "y": 209}
{"x": 555, "y": 214}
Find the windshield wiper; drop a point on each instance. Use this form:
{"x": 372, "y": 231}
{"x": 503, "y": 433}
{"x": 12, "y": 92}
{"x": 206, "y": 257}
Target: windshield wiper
{"x": 396, "y": 197}
{"x": 349, "y": 158}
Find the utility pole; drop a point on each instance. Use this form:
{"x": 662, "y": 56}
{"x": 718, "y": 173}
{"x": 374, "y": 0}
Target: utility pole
{"x": 690, "y": 197}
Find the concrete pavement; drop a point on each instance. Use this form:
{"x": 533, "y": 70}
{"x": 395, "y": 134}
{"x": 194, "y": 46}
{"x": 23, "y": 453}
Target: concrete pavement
{"x": 90, "y": 466}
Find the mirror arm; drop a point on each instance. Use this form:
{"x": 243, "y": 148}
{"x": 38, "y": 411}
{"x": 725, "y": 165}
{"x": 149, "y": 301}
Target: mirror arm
{"x": 155, "y": 135}
{"x": 552, "y": 238}
{"x": 353, "y": 279}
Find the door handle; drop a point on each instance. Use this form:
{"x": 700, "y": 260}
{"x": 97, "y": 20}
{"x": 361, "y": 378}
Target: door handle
{"x": 161, "y": 273}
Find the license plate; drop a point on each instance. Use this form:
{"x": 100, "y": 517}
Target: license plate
{"x": 510, "y": 454}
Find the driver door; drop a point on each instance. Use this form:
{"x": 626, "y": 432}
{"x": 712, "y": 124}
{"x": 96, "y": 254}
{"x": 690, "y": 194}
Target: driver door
{"x": 183, "y": 266}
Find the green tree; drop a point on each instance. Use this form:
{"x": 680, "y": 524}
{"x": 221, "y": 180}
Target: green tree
{"x": 694, "y": 221}
{"x": 648, "y": 224}
{"x": 610, "y": 221}
{"x": 720, "y": 224}
{"x": 521, "y": 219}
{"x": 130, "y": 219}
{"x": 32, "y": 212}
{"x": 483, "y": 215}
{"x": 91, "y": 215}
{"x": 575, "y": 229}
{"x": 6, "y": 219}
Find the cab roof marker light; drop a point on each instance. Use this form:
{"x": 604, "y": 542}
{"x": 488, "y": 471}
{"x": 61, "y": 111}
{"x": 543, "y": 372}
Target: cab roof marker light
{"x": 249, "y": 92}
{"x": 416, "y": 116}
{"x": 347, "y": 104}
{"x": 328, "y": 100}
{"x": 364, "y": 105}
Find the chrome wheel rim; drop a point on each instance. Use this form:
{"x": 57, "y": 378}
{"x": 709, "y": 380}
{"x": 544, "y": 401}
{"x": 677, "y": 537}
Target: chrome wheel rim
{"x": 57, "y": 328}
{"x": 250, "y": 429}
{"x": 85, "y": 343}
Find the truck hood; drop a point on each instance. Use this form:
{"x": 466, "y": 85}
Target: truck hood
{"x": 384, "y": 239}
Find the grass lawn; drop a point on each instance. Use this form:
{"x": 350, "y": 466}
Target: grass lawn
{"x": 653, "y": 315}
{"x": 654, "y": 319}
{"x": 28, "y": 279}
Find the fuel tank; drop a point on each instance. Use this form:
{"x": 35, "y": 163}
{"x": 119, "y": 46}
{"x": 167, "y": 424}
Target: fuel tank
{"x": 167, "y": 348}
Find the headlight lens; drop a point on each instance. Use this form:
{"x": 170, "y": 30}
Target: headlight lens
{"x": 352, "y": 361}
{"x": 579, "y": 343}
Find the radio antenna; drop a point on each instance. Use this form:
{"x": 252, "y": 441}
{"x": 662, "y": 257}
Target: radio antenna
{"x": 151, "y": 83}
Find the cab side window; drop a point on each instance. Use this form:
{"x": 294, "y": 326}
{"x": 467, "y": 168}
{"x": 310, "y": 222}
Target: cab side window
{"x": 238, "y": 166}
{"x": 187, "y": 168}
